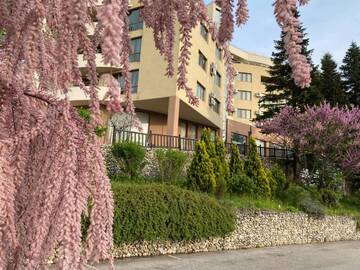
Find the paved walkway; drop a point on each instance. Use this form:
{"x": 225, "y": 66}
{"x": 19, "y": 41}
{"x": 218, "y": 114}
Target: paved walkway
{"x": 330, "y": 256}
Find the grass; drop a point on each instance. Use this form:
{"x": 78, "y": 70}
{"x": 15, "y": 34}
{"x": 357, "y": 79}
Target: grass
{"x": 349, "y": 206}
{"x": 248, "y": 202}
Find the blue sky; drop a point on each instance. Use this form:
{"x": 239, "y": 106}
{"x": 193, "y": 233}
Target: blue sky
{"x": 331, "y": 26}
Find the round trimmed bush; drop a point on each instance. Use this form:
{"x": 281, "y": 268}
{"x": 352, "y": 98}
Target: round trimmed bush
{"x": 162, "y": 212}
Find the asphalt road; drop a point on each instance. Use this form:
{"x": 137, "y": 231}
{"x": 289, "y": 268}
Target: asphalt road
{"x": 330, "y": 256}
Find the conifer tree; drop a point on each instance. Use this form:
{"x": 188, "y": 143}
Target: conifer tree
{"x": 255, "y": 169}
{"x": 351, "y": 74}
{"x": 281, "y": 88}
{"x": 330, "y": 82}
{"x": 201, "y": 175}
{"x": 236, "y": 164}
{"x": 221, "y": 167}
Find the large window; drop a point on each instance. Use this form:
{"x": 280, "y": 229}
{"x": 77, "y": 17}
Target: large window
{"x": 217, "y": 79}
{"x": 244, "y": 77}
{"x": 135, "y": 20}
{"x": 218, "y": 52}
{"x": 244, "y": 114}
{"x": 202, "y": 60}
{"x": 200, "y": 91}
{"x": 204, "y": 32}
{"x": 134, "y": 78}
{"x": 243, "y": 95}
{"x": 216, "y": 105}
{"x": 241, "y": 141}
{"x": 136, "y": 50}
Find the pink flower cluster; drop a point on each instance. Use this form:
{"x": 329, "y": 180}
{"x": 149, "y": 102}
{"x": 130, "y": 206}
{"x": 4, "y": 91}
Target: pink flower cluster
{"x": 331, "y": 133}
{"x": 285, "y": 16}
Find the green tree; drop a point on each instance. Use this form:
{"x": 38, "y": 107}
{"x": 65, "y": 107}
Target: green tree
{"x": 255, "y": 169}
{"x": 281, "y": 89}
{"x": 200, "y": 176}
{"x": 239, "y": 182}
{"x": 221, "y": 167}
{"x": 330, "y": 82}
{"x": 130, "y": 157}
{"x": 351, "y": 74}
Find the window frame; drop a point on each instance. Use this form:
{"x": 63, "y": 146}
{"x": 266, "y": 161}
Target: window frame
{"x": 243, "y": 114}
{"x": 135, "y": 56}
{"x": 204, "y": 32}
{"x": 205, "y": 60}
{"x": 139, "y": 24}
{"x": 202, "y": 87}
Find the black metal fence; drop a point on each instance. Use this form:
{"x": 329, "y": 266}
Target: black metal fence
{"x": 150, "y": 140}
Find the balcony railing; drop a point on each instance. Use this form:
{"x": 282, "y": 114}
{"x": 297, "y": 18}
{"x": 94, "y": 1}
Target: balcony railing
{"x": 150, "y": 140}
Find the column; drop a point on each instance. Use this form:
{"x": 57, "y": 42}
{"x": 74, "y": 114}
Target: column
{"x": 173, "y": 116}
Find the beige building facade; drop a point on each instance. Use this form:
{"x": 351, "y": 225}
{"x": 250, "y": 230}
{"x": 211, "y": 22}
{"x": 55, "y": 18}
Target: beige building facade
{"x": 162, "y": 108}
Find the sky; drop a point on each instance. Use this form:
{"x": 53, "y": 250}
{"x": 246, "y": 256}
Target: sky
{"x": 331, "y": 26}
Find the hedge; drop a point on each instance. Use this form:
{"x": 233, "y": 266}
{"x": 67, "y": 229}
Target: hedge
{"x": 162, "y": 212}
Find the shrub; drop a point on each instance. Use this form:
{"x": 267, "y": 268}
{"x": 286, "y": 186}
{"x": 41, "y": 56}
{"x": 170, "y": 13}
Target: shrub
{"x": 330, "y": 198}
{"x": 312, "y": 207}
{"x": 294, "y": 194}
{"x": 221, "y": 167}
{"x": 255, "y": 169}
{"x": 200, "y": 176}
{"x": 170, "y": 164}
{"x": 130, "y": 157}
{"x": 86, "y": 115}
{"x": 277, "y": 180}
{"x": 163, "y": 212}
{"x": 239, "y": 182}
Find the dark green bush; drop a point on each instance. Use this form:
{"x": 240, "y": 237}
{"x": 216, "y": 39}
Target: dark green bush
{"x": 277, "y": 179}
{"x": 130, "y": 157}
{"x": 200, "y": 175}
{"x": 170, "y": 164}
{"x": 254, "y": 168}
{"x": 294, "y": 194}
{"x": 221, "y": 167}
{"x": 163, "y": 212}
{"x": 242, "y": 184}
{"x": 330, "y": 197}
{"x": 312, "y": 207}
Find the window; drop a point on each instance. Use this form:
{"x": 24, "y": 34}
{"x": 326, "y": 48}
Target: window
{"x": 202, "y": 61}
{"x": 136, "y": 50}
{"x": 244, "y": 114}
{"x": 134, "y": 78}
{"x": 200, "y": 91}
{"x": 216, "y": 105}
{"x": 217, "y": 16}
{"x": 241, "y": 141}
{"x": 260, "y": 147}
{"x": 135, "y": 20}
{"x": 243, "y": 95}
{"x": 244, "y": 77}
{"x": 218, "y": 79}
{"x": 204, "y": 32}
{"x": 218, "y": 52}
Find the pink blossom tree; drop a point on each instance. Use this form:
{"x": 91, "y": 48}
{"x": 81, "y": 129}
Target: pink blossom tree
{"x": 50, "y": 160}
{"x": 330, "y": 135}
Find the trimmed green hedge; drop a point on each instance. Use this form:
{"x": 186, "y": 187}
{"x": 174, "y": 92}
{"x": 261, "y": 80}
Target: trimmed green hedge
{"x": 162, "y": 212}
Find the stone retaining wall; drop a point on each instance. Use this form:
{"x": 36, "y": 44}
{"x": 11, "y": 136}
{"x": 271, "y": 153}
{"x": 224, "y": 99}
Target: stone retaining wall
{"x": 257, "y": 229}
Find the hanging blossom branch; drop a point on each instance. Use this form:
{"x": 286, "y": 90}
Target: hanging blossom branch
{"x": 242, "y": 12}
{"x": 50, "y": 158}
{"x": 285, "y": 16}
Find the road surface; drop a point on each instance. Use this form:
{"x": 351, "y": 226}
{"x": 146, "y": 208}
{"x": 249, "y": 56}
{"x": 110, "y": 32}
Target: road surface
{"x": 330, "y": 256}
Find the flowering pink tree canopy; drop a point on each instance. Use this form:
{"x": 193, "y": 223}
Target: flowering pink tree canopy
{"x": 50, "y": 160}
{"x": 329, "y": 133}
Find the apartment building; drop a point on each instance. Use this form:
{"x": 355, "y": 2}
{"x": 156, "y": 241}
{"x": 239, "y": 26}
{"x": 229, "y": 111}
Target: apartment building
{"x": 252, "y": 72}
{"x": 163, "y": 109}
{"x": 160, "y": 106}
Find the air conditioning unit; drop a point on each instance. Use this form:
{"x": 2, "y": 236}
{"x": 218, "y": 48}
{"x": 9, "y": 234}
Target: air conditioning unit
{"x": 258, "y": 95}
{"x": 212, "y": 99}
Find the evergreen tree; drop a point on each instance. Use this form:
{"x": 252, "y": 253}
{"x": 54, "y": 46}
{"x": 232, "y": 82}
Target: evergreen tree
{"x": 239, "y": 182}
{"x": 330, "y": 85}
{"x": 200, "y": 175}
{"x": 255, "y": 169}
{"x": 221, "y": 167}
{"x": 351, "y": 74}
{"x": 281, "y": 89}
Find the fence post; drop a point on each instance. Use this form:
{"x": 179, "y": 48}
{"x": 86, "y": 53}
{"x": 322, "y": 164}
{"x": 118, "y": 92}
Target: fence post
{"x": 114, "y": 136}
{"x": 150, "y": 139}
{"x": 179, "y": 138}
